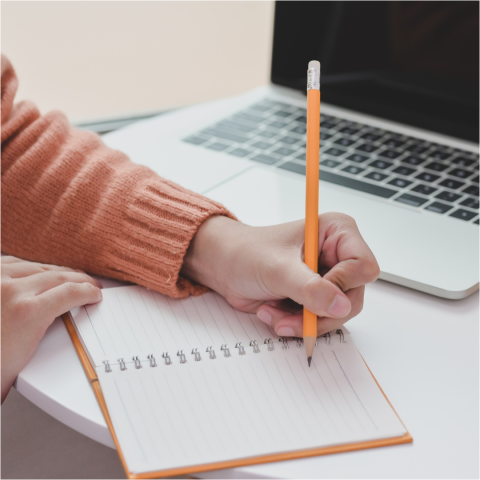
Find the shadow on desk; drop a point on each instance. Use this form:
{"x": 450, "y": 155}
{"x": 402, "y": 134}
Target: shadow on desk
{"x": 35, "y": 445}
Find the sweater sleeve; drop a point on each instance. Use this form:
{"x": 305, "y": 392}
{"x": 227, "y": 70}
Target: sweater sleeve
{"x": 69, "y": 200}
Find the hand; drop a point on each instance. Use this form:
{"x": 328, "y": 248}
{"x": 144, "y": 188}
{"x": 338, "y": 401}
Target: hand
{"x": 261, "y": 270}
{"x": 33, "y": 295}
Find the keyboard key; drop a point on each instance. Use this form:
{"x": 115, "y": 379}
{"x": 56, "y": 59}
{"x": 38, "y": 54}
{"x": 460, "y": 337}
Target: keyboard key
{"x": 380, "y": 164}
{"x": 301, "y": 118}
{"x": 346, "y": 142}
{"x": 235, "y": 126}
{"x": 474, "y": 179}
{"x": 262, "y": 158}
{"x": 281, "y": 113}
{"x": 463, "y": 214}
{"x": 300, "y": 130}
{"x": 392, "y": 142}
{"x": 453, "y": 184}
{"x": 458, "y": 172}
{"x": 411, "y": 200}
{"x": 240, "y": 152}
{"x": 373, "y": 137}
{"x": 448, "y": 196}
{"x": 471, "y": 190}
{"x": 226, "y": 136}
{"x": 367, "y": 147}
{"x": 349, "y": 130}
{"x": 439, "y": 155}
{"x": 277, "y": 124}
{"x": 476, "y": 222}
{"x": 463, "y": 162}
{"x": 417, "y": 148}
{"x": 294, "y": 167}
{"x": 413, "y": 160}
{"x": 353, "y": 169}
{"x": 195, "y": 140}
{"x": 437, "y": 167}
{"x": 249, "y": 117}
{"x": 404, "y": 171}
{"x": 262, "y": 145}
{"x": 389, "y": 154}
{"x": 284, "y": 151}
{"x": 399, "y": 182}
{"x": 336, "y": 152}
{"x": 376, "y": 176}
{"x": 330, "y": 163}
{"x": 427, "y": 177}
{"x": 266, "y": 134}
{"x": 328, "y": 124}
{"x": 438, "y": 207}
{"x": 289, "y": 140}
{"x": 424, "y": 189}
{"x": 217, "y": 146}
{"x": 357, "y": 185}
{"x": 470, "y": 203}
{"x": 357, "y": 158}
{"x": 261, "y": 108}
{"x": 325, "y": 136}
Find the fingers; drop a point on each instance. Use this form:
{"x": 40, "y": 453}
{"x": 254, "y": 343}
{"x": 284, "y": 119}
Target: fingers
{"x": 317, "y": 294}
{"x": 350, "y": 261}
{"x": 24, "y": 269}
{"x": 61, "y": 299}
{"x": 9, "y": 259}
{"x": 41, "y": 282}
{"x": 287, "y": 324}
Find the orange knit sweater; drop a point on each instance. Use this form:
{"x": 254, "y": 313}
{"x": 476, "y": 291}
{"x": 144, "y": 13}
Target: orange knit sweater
{"x": 69, "y": 200}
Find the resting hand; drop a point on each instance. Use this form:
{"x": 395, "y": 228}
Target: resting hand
{"x": 261, "y": 270}
{"x": 33, "y": 295}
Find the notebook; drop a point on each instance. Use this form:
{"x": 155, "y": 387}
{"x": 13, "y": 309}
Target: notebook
{"x": 192, "y": 385}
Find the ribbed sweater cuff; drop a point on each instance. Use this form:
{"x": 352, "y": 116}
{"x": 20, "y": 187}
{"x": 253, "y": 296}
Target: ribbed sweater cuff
{"x": 158, "y": 226}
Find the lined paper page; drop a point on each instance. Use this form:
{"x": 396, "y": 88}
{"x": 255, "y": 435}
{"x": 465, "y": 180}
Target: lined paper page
{"x": 245, "y": 406}
{"x": 134, "y": 321}
{"x": 225, "y": 408}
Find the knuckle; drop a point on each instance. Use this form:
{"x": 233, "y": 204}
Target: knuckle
{"x": 23, "y": 308}
{"x": 73, "y": 289}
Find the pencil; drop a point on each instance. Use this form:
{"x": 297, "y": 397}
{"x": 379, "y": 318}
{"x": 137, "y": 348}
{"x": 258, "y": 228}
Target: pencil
{"x": 311, "y": 203}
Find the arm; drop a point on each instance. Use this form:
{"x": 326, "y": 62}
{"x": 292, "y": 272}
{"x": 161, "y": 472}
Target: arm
{"x": 69, "y": 200}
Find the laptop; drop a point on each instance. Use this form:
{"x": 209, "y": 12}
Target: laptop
{"x": 399, "y": 135}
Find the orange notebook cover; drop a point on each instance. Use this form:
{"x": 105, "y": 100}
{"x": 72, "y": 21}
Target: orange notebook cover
{"x": 191, "y": 469}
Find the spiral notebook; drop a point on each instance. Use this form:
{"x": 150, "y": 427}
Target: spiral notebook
{"x": 193, "y": 385}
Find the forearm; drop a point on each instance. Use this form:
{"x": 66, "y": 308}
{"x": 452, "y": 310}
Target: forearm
{"x": 69, "y": 200}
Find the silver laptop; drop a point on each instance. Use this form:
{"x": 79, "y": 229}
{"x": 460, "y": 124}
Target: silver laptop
{"x": 399, "y": 139}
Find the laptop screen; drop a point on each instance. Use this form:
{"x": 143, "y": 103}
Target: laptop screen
{"x": 411, "y": 62}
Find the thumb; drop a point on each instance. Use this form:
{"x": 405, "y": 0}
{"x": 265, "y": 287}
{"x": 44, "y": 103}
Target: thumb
{"x": 315, "y": 293}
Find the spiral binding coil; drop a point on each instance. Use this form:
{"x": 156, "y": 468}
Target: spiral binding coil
{"x": 196, "y": 354}
{"x": 225, "y": 349}
{"x": 211, "y": 353}
{"x": 123, "y": 366}
{"x": 284, "y": 342}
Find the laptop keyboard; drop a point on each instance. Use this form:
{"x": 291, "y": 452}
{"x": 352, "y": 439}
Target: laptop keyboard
{"x": 404, "y": 169}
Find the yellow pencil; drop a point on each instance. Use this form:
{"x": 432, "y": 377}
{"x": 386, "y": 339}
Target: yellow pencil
{"x": 311, "y": 210}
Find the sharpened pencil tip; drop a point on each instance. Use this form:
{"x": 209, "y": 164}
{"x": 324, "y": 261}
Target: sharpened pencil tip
{"x": 309, "y": 360}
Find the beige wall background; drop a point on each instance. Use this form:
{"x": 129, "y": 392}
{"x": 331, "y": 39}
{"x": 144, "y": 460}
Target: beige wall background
{"x": 96, "y": 60}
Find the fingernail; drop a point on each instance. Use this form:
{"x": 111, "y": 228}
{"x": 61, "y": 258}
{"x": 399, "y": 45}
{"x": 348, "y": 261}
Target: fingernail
{"x": 264, "y": 316}
{"x": 100, "y": 294}
{"x": 340, "y": 306}
{"x": 286, "y": 332}
{"x": 99, "y": 283}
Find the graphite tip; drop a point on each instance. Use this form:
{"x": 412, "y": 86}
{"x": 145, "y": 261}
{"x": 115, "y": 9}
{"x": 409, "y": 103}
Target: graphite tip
{"x": 309, "y": 360}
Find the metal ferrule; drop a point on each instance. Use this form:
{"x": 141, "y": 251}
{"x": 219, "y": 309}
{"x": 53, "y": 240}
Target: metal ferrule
{"x": 313, "y": 79}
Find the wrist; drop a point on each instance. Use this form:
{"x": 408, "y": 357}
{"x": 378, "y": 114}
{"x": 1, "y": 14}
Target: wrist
{"x": 211, "y": 251}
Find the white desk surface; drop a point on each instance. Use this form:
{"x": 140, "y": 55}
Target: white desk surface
{"x": 423, "y": 351}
